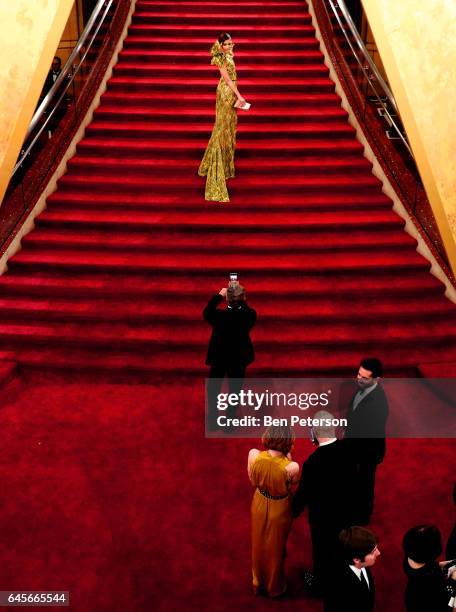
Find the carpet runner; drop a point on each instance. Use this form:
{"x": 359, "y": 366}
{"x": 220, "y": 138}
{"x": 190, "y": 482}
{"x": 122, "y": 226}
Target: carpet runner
{"x": 120, "y": 265}
{"x": 111, "y": 491}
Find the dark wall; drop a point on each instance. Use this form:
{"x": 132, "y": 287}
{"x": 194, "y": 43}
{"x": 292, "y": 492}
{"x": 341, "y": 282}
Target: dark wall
{"x": 355, "y": 10}
{"x": 87, "y": 8}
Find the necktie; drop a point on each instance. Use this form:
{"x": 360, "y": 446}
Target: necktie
{"x": 364, "y": 580}
{"x": 358, "y": 397}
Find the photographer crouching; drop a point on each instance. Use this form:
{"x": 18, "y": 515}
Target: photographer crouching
{"x": 230, "y": 347}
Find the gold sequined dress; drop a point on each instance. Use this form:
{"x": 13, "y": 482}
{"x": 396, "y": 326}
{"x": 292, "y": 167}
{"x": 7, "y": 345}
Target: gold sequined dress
{"x": 218, "y": 161}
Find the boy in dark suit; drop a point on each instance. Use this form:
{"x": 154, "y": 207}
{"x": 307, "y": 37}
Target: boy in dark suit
{"x": 351, "y": 581}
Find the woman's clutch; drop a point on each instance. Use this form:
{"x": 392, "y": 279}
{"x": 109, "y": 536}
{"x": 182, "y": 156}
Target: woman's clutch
{"x": 242, "y": 105}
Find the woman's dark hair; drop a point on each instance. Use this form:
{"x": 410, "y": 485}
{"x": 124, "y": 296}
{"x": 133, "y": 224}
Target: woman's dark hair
{"x": 422, "y": 543}
{"x": 224, "y": 36}
{"x": 278, "y": 438}
{"x": 355, "y": 543}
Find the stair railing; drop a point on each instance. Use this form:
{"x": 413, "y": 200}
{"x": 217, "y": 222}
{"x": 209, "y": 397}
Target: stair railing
{"x": 60, "y": 113}
{"x": 375, "y": 108}
{"x": 371, "y": 73}
{"x": 53, "y": 99}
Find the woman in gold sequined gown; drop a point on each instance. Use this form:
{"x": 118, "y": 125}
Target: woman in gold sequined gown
{"x": 218, "y": 161}
{"x": 272, "y": 472}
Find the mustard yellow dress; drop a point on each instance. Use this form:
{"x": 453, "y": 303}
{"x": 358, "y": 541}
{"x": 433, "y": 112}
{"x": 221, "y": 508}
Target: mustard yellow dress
{"x": 271, "y": 522}
{"x": 218, "y": 160}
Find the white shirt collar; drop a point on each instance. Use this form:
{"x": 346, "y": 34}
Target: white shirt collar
{"x": 358, "y": 572}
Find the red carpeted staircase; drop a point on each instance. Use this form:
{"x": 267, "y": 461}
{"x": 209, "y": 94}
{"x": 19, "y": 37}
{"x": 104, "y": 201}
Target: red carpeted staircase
{"x": 111, "y": 492}
{"x": 120, "y": 265}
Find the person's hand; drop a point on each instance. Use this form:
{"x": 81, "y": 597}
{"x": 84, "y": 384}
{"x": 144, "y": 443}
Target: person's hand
{"x": 222, "y": 292}
{"x": 241, "y": 100}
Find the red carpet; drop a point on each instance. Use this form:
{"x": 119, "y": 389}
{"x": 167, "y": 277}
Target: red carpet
{"x": 111, "y": 491}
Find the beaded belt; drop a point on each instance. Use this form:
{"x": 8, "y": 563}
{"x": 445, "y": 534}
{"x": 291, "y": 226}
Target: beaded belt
{"x": 269, "y": 496}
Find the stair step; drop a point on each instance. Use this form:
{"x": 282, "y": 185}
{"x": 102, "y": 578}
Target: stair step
{"x": 8, "y": 371}
{"x": 170, "y": 11}
{"x": 318, "y": 362}
{"x": 69, "y": 200}
{"x": 134, "y": 71}
{"x": 191, "y": 131}
{"x": 201, "y": 57}
{"x": 180, "y": 43}
{"x": 173, "y": 310}
{"x": 439, "y": 370}
{"x": 121, "y": 263}
{"x": 235, "y": 20}
{"x": 259, "y": 242}
{"x": 163, "y": 165}
{"x": 120, "y": 335}
{"x": 125, "y": 263}
{"x": 107, "y": 114}
{"x": 148, "y": 365}
{"x": 250, "y": 86}
{"x": 214, "y": 7}
{"x": 191, "y": 31}
{"x": 205, "y": 7}
{"x": 194, "y": 185}
{"x": 202, "y": 283}
{"x": 169, "y": 99}
{"x": 222, "y": 218}
{"x": 146, "y": 147}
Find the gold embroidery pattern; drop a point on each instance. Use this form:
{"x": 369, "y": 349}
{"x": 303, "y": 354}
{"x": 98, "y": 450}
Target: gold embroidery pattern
{"x": 218, "y": 160}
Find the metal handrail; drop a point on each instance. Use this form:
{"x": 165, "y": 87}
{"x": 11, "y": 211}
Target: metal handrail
{"x": 68, "y": 73}
{"x": 376, "y": 73}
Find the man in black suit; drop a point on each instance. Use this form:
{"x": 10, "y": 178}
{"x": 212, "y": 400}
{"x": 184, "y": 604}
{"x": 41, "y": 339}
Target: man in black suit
{"x": 230, "y": 347}
{"x": 52, "y": 75}
{"x": 365, "y": 433}
{"x": 326, "y": 488}
{"x": 352, "y": 584}
{"x": 60, "y": 106}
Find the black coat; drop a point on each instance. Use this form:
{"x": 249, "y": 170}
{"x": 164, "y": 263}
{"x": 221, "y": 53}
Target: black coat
{"x": 426, "y": 589}
{"x": 326, "y": 487}
{"x": 49, "y": 82}
{"x": 451, "y": 545}
{"x": 366, "y": 428}
{"x": 230, "y": 342}
{"x": 348, "y": 592}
